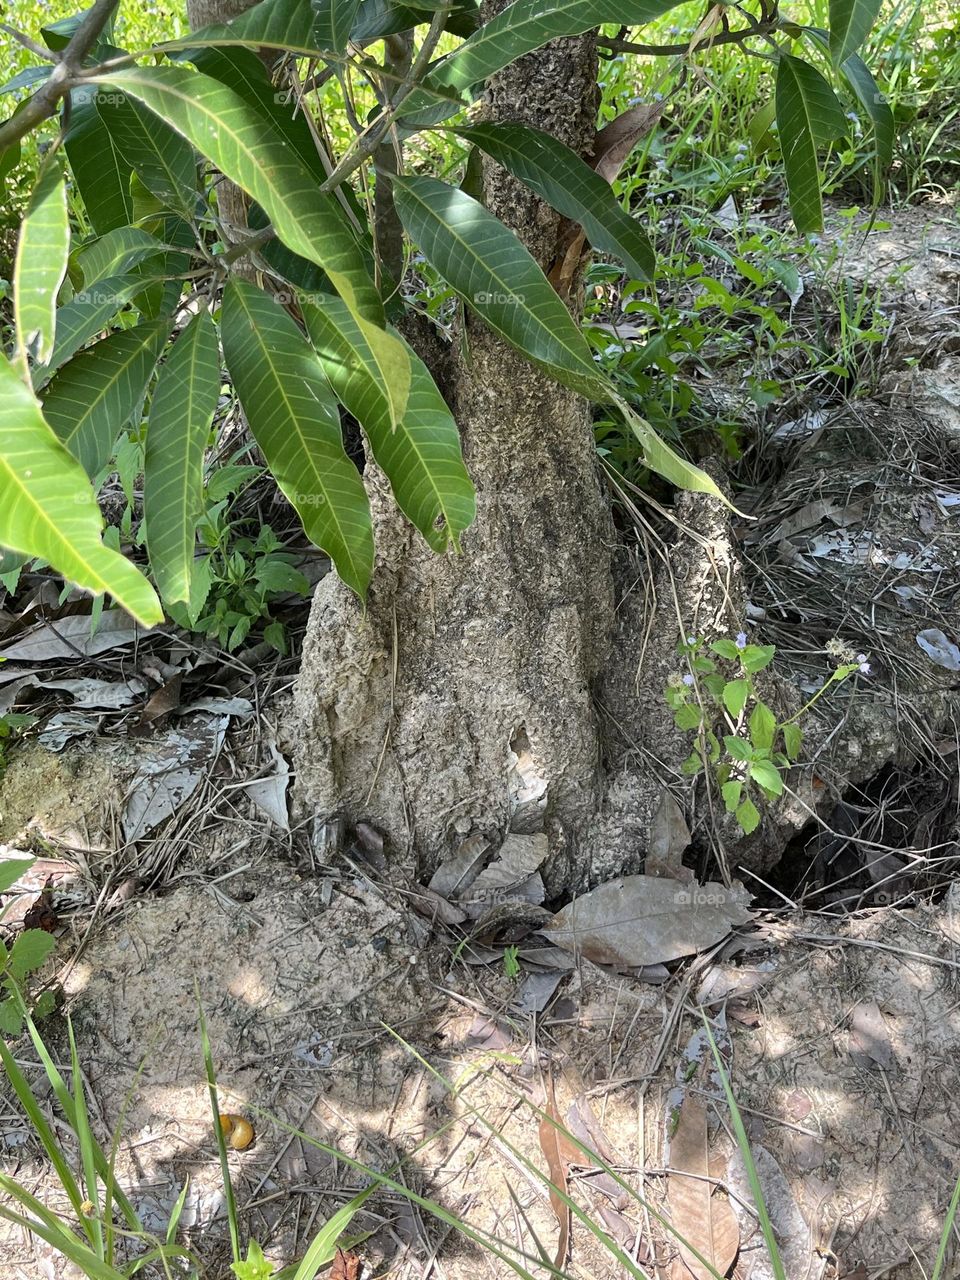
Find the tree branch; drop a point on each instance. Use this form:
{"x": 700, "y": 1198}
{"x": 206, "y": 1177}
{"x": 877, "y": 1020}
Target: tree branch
{"x": 45, "y": 101}
{"x": 761, "y": 29}
{"x": 37, "y": 49}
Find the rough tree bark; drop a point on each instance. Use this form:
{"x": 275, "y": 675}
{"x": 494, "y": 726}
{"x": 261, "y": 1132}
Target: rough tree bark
{"x": 461, "y": 698}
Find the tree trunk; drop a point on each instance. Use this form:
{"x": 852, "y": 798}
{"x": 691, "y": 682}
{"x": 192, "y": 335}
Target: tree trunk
{"x": 461, "y": 698}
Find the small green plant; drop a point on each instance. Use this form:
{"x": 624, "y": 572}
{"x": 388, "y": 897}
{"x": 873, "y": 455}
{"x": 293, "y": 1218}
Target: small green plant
{"x": 11, "y": 725}
{"x": 753, "y": 749}
{"x": 28, "y": 953}
{"x": 511, "y": 964}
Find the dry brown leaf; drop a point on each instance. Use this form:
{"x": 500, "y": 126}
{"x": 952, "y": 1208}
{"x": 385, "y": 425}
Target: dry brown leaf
{"x": 559, "y": 1152}
{"x": 346, "y": 1265}
{"x": 702, "y": 1216}
{"x": 669, "y": 839}
{"x": 617, "y": 139}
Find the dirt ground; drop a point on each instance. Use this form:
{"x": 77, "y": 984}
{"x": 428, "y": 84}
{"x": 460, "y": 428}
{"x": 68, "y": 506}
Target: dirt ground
{"x": 350, "y": 1027}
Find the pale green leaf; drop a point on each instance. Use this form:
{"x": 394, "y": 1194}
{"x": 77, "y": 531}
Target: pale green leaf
{"x": 181, "y": 412}
{"x": 792, "y": 740}
{"x": 95, "y": 393}
{"x": 808, "y": 113}
{"x": 12, "y": 869}
{"x": 767, "y": 775}
{"x": 731, "y": 795}
{"x": 115, "y": 252}
{"x": 29, "y": 951}
{"x": 84, "y": 316}
{"x": 735, "y": 695}
{"x": 659, "y": 457}
{"x": 763, "y": 726}
{"x": 41, "y": 264}
{"x": 293, "y": 416}
{"x": 571, "y": 186}
{"x": 233, "y": 135}
{"x": 748, "y": 816}
{"x": 495, "y": 275}
{"x": 421, "y": 457}
{"x": 48, "y": 509}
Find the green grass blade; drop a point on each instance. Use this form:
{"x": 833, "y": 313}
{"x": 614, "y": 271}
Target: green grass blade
{"x": 88, "y": 1146}
{"x": 229, "y": 1197}
{"x": 941, "y": 1259}
{"x": 323, "y": 1246}
{"x": 49, "y": 1227}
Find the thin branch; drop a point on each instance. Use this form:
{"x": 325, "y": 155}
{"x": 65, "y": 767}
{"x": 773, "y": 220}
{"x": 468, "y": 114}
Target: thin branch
{"x": 665, "y": 50}
{"x": 34, "y": 46}
{"x": 45, "y": 101}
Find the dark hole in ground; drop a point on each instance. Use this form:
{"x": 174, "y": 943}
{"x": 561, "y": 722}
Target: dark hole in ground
{"x": 886, "y": 841}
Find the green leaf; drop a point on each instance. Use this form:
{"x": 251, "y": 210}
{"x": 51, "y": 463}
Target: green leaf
{"x": 84, "y": 316}
{"x": 164, "y": 161}
{"x": 738, "y": 747}
{"x": 10, "y": 872}
{"x": 520, "y": 28}
{"x": 29, "y": 951}
{"x": 181, "y": 412}
{"x": 688, "y": 716}
{"x": 48, "y": 509}
{"x": 101, "y": 174}
{"x": 659, "y": 457}
{"x": 294, "y": 419}
{"x": 41, "y": 264}
{"x": 692, "y": 765}
{"x": 731, "y": 795}
{"x": 333, "y": 20}
{"x": 95, "y": 393}
{"x": 850, "y": 23}
{"x": 235, "y": 138}
{"x": 792, "y": 740}
{"x": 757, "y": 656}
{"x": 748, "y": 816}
{"x": 11, "y": 1019}
{"x": 566, "y": 182}
{"x": 115, "y": 252}
{"x": 767, "y": 775}
{"x": 495, "y": 275}
{"x": 735, "y": 695}
{"x": 323, "y": 1246}
{"x": 725, "y": 649}
{"x": 763, "y": 726}
{"x": 422, "y": 457}
{"x": 808, "y": 112}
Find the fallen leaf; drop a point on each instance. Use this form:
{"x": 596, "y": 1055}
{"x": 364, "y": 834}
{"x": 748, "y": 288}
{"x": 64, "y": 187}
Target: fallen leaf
{"x": 939, "y": 649}
{"x": 669, "y": 838}
{"x": 170, "y": 769}
{"x": 702, "y": 1216}
{"x": 536, "y": 991}
{"x": 102, "y": 694}
{"x": 346, "y": 1265}
{"x": 870, "y": 1044}
{"x": 647, "y": 920}
{"x": 513, "y": 868}
{"x": 794, "y": 1238}
{"x": 161, "y": 703}
{"x": 558, "y": 1152}
{"x": 455, "y": 873}
{"x": 270, "y": 793}
{"x": 71, "y": 637}
{"x": 40, "y": 913}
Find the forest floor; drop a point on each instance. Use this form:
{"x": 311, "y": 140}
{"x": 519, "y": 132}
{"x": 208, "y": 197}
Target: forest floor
{"x": 349, "y": 1023}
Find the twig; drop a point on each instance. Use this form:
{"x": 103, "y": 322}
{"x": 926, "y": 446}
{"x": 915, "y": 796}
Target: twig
{"x": 44, "y": 102}
{"x": 33, "y": 45}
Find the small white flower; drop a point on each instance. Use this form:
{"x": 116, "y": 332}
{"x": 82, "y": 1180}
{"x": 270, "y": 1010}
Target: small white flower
{"x": 688, "y": 680}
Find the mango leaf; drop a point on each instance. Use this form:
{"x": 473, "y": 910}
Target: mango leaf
{"x": 333, "y": 21}
{"x": 874, "y": 102}
{"x": 101, "y": 174}
{"x": 95, "y": 393}
{"x": 659, "y": 457}
{"x": 115, "y": 252}
{"x": 571, "y": 186}
{"x": 41, "y": 264}
{"x": 850, "y": 23}
{"x": 83, "y": 317}
{"x": 422, "y": 457}
{"x": 808, "y": 113}
{"x": 520, "y": 28}
{"x": 48, "y": 509}
{"x": 495, "y": 275}
{"x": 181, "y": 412}
{"x": 233, "y": 136}
{"x": 164, "y": 161}
{"x": 293, "y": 415}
